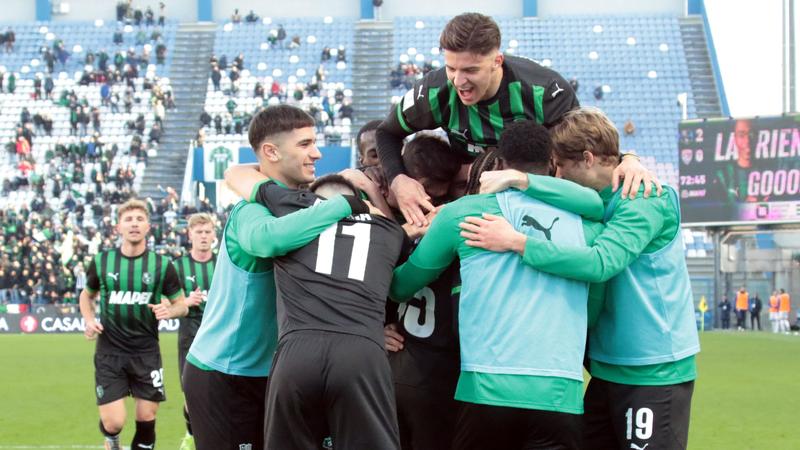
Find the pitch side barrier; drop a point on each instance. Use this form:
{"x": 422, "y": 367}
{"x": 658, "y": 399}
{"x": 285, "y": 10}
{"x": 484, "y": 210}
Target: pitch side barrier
{"x": 49, "y": 319}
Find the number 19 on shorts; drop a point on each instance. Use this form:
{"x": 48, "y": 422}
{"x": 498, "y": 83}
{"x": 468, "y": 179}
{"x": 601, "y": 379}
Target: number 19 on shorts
{"x": 641, "y": 421}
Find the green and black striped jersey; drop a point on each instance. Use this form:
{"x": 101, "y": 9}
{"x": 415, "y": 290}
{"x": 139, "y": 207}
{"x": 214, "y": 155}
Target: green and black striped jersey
{"x": 527, "y": 91}
{"x": 195, "y": 275}
{"x": 127, "y": 285}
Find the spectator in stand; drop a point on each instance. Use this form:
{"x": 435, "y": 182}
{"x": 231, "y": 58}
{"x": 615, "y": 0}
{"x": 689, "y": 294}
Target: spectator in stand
{"x": 49, "y": 59}
{"x": 118, "y": 39}
{"x": 149, "y": 17}
{"x": 96, "y": 119}
{"x": 218, "y": 124}
{"x": 295, "y": 43}
{"x": 326, "y": 54}
{"x": 161, "y": 53}
{"x": 12, "y": 82}
{"x": 37, "y": 87}
{"x": 629, "y": 128}
{"x": 10, "y": 39}
{"x": 156, "y": 133}
{"x": 162, "y": 13}
{"x": 598, "y": 93}
{"x": 251, "y": 17}
{"x": 340, "y": 55}
{"x": 48, "y": 87}
{"x": 205, "y": 119}
{"x": 235, "y": 17}
{"x": 223, "y": 62}
{"x": 137, "y": 17}
{"x": 216, "y": 76}
{"x": 258, "y": 90}
{"x": 281, "y": 36}
{"x": 122, "y": 9}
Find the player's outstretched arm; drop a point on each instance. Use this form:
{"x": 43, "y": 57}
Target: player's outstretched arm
{"x": 633, "y": 174}
{"x": 92, "y": 327}
{"x": 261, "y": 234}
{"x": 558, "y": 192}
{"x": 243, "y": 178}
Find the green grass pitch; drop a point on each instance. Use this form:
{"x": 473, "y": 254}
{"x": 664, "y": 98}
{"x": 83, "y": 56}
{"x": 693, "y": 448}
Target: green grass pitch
{"x": 746, "y": 396}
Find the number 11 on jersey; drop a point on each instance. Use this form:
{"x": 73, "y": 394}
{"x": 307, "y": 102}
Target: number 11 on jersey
{"x": 358, "y": 257}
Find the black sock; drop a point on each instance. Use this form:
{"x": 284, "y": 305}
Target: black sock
{"x": 108, "y": 434}
{"x": 188, "y": 420}
{"x": 145, "y": 437}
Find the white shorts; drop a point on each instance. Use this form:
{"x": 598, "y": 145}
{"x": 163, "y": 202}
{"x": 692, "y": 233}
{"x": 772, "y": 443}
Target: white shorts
{"x": 773, "y": 315}
{"x": 783, "y": 315}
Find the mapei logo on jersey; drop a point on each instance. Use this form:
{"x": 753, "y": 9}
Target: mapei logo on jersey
{"x": 129, "y": 298}
{"x": 528, "y": 221}
{"x": 28, "y": 324}
{"x": 147, "y": 278}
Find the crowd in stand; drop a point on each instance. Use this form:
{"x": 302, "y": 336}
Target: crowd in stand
{"x": 48, "y": 240}
{"x": 45, "y": 253}
{"x": 310, "y": 96}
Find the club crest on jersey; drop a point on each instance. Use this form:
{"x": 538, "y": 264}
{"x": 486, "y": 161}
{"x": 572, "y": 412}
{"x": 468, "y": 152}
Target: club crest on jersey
{"x": 147, "y": 278}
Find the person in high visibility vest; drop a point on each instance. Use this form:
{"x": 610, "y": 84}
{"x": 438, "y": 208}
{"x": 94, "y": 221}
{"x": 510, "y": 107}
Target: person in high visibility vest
{"x": 783, "y": 311}
{"x": 773, "y": 311}
{"x": 742, "y": 305}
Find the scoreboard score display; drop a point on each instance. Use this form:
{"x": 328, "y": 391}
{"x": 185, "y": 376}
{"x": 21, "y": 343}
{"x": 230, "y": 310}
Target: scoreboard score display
{"x": 736, "y": 171}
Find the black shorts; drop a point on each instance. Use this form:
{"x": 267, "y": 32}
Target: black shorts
{"x": 482, "y": 427}
{"x": 227, "y": 411}
{"x": 186, "y": 333}
{"x": 426, "y": 417}
{"x": 324, "y": 383}
{"x": 622, "y": 416}
{"x": 118, "y": 375}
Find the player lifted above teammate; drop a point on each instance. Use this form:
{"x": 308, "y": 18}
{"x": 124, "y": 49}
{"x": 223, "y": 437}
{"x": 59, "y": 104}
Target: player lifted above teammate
{"x": 474, "y": 98}
{"x": 137, "y": 288}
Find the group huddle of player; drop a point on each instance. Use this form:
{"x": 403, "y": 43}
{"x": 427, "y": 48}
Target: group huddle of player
{"x": 492, "y": 267}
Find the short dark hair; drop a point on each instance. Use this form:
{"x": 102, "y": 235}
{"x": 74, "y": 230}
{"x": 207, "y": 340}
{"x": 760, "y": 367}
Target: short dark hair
{"x": 276, "y": 119}
{"x": 430, "y": 157}
{"x": 484, "y": 162}
{"x": 333, "y": 178}
{"x": 372, "y": 125}
{"x": 470, "y": 32}
{"x": 525, "y": 145}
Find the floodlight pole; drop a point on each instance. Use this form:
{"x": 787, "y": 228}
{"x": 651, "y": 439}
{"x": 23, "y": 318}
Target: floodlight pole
{"x": 717, "y": 233}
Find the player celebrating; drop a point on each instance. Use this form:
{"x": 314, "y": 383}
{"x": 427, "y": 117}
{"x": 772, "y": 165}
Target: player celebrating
{"x": 225, "y": 377}
{"x": 474, "y": 98}
{"x": 330, "y": 373}
{"x": 134, "y": 285}
{"x": 642, "y": 348}
{"x": 195, "y": 270}
{"x": 522, "y": 332}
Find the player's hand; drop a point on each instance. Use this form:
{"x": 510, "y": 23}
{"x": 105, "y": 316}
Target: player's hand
{"x": 162, "y": 310}
{"x": 392, "y": 339}
{"x": 414, "y": 232}
{"x": 359, "y": 179}
{"x": 195, "y": 298}
{"x": 499, "y": 180}
{"x": 634, "y": 174}
{"x": 492, "y": 233}
{"x": 93, "y": 329}
{"x": 411, "y": 199}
